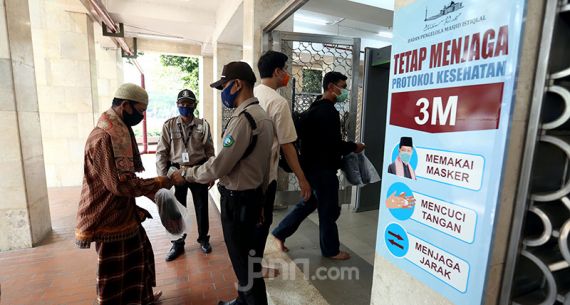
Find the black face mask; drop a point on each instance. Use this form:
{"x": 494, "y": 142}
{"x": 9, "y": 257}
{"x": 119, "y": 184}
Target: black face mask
{"x": 134, "y": 118}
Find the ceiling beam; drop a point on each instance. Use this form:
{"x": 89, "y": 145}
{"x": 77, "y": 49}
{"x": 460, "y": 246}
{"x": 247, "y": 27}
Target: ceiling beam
{"x": 168, "y": 13}
{"x": 351, "y": 10}
{"x": 289, "y": 9}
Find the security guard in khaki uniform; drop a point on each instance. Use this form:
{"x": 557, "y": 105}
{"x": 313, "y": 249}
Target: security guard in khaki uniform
{"x": 243, "y": 168}
{"x": 186, "y": 141}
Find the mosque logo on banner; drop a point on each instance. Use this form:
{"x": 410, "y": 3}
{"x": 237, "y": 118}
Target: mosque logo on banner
{"x": 449, "y": 11}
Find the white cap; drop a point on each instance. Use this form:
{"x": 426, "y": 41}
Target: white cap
{"x": 132, "y": 92}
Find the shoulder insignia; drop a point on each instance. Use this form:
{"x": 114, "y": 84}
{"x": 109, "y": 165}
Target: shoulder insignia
{"x": 229, "y": 141}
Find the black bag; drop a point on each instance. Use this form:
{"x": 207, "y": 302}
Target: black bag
{"x": 298, "y": 119}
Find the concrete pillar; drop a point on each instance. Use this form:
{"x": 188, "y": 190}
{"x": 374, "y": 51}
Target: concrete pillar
{"x": 62, "y": 41}
{"x": 223, "y": 54}
{"x": 24, "y": 208}
{"x": 206, "y": 105}
{"x": 108, "y": 65}
{"x": 91, "y": 48}
{"x": 256, "y": 15}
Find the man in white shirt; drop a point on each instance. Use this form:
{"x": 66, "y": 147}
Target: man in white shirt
{"x": 273, "y": 72}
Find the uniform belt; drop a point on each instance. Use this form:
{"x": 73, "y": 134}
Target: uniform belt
{"x": 225, "y": 192}
{"x": 178, "y": 165}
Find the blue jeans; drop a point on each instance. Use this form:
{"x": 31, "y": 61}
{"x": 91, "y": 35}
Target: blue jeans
{"x": 324, "y": 198}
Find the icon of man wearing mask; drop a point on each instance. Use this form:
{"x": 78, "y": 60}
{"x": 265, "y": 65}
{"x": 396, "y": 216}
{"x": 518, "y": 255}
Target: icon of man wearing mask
{"x": 401, "y": 166}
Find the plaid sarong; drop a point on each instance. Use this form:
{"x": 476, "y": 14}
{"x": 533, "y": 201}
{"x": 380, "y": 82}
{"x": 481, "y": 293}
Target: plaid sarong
{"x": 126, "y": 271}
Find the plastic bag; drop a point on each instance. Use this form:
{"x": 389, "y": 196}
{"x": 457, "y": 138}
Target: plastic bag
{"x": 173, "y": 214}
{"x": 368, "y": 173}
{"x": 343, "y": 183}
{"x": 358, "y": 170}
{"x": 351, "y": 169}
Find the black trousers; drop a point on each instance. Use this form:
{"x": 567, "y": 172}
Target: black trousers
{"x": 240, "y": 213}
{"x": 200, "y": 197}
{"x": 325, "y": 199}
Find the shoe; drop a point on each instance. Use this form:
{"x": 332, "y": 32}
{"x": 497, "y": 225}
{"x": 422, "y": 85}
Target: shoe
{"x": 177, "y": 248}
{"x": 232, "y": 302}
{"x": 206, "y": 247}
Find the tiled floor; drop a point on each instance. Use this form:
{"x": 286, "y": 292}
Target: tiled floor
{"x": 357, "y": 233}
{"x": 56, "y": 272}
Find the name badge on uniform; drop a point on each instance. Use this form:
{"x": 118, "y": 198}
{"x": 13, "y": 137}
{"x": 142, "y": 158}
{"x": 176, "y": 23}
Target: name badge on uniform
{"x": 185, "y": 157}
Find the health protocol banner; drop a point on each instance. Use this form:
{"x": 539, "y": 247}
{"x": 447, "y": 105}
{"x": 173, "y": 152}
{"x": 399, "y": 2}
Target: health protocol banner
{"x": 453, "y": 71}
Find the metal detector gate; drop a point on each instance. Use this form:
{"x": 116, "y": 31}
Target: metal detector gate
{"x": 310, "y": 57}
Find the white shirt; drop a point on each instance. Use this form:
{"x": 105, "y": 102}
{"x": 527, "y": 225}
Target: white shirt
{"x": 278, "y": 110}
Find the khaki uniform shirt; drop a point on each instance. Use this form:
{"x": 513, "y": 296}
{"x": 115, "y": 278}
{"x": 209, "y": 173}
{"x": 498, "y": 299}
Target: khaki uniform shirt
{"x": 171, "y": 144}
{"x": 278, "y": 110}
{"x": 235, "y": 173}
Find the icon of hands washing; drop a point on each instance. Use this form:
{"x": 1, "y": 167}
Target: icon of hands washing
{"x": 400, "y": 202}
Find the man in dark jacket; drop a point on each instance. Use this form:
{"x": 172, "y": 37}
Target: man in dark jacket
{"x": 322, "y": 149}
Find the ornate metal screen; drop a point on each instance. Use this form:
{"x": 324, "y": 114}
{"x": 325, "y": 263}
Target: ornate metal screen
{"x": 542, "y": 274}
{"x": 309, "y": 61}
{"x": 226, "y": 115}
{"x": 310, "y": 57}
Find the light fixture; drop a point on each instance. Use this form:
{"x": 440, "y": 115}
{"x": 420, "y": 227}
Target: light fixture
{"x": 158, "y": 36}
{"x": 317, "y": 21}
{"x": 386, "y": 34}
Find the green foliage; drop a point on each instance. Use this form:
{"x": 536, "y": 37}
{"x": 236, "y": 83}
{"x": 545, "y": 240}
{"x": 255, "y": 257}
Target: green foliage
{"x": 150, "y": 133}
{"x": 312, "y": 80}
{"x": 189, "y": 66}
{"x": 165, "y": 76}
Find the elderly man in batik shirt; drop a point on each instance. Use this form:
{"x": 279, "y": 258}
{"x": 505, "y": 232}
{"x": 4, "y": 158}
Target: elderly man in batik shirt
{"x": 108, "y": 214}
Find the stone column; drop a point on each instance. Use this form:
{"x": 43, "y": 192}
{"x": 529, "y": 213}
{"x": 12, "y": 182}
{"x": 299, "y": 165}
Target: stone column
{"x": 206, "y": 105}
{"x": 256, "y": 15}
{"x": 63, "y": 45}
{"x": 24, "y": 208}
{"x": 107, "y": 64}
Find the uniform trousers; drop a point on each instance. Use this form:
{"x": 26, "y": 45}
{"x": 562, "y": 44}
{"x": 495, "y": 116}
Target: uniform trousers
{"x": 200, "y": 198}
{"x": 241, "y": 213}
{"x": 262, "y": 231}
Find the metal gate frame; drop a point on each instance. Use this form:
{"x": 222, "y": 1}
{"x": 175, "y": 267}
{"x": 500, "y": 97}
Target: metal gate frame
{"x": 274, "y": 43}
